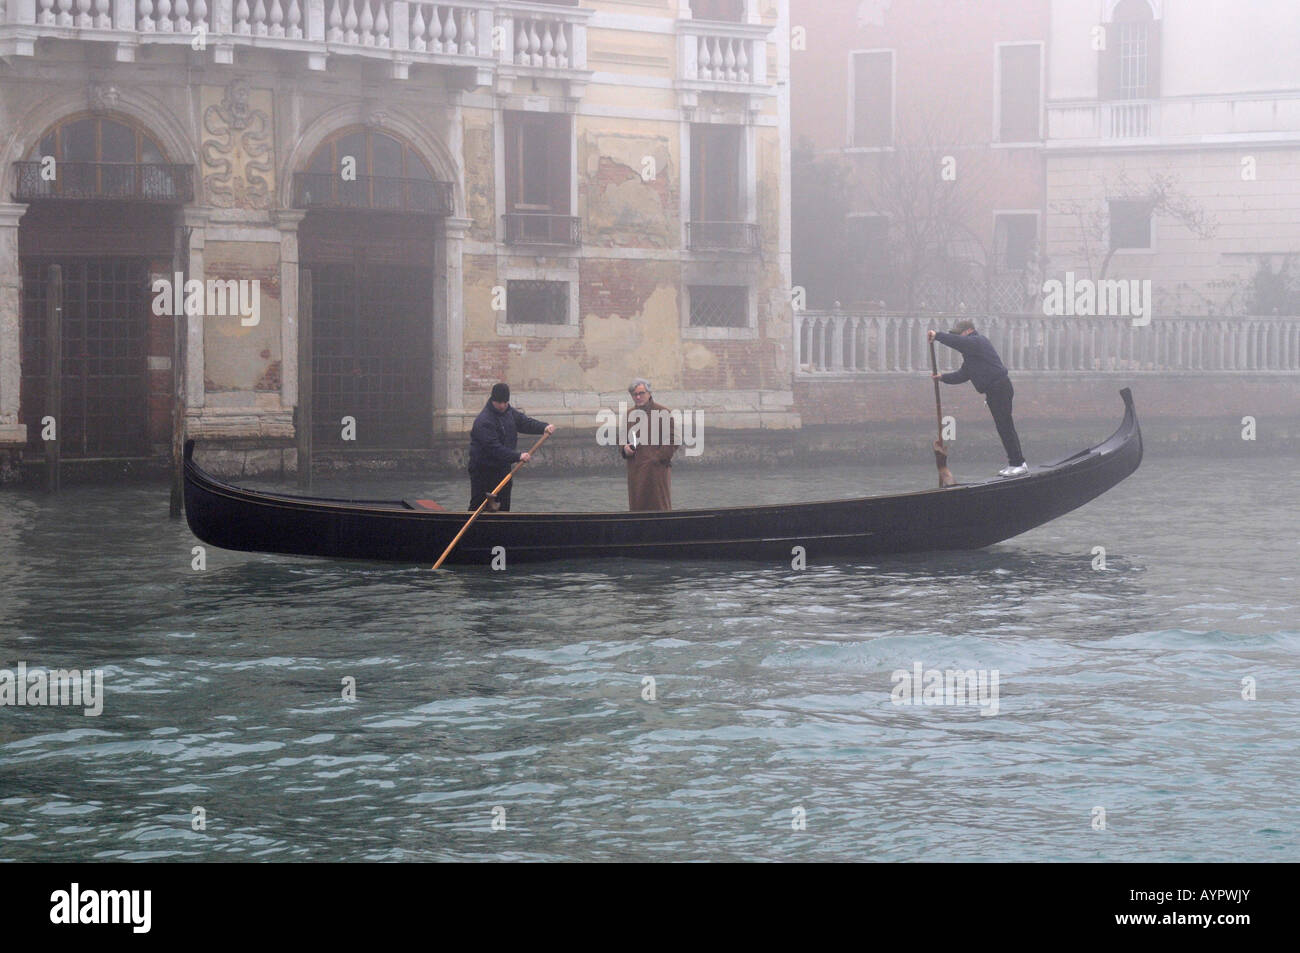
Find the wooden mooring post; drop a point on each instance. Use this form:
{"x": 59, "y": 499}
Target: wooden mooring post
{"x": 54, "y": 370}
{"x": 302, "y": 413}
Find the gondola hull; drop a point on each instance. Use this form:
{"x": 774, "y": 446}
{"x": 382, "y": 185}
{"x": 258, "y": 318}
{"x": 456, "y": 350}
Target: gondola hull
{"x": 966, "y": 516}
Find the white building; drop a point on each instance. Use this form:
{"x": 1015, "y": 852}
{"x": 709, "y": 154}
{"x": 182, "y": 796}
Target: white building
{"x": 1173, "y": 149}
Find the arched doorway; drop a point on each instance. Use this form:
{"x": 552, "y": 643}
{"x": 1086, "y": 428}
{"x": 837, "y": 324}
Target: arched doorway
{"x": 102, "y": 204}
{"x": 369, "y": 242}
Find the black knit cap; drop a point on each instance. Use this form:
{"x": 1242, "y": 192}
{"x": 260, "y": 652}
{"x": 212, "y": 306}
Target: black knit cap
{"x": 962, "y": 326}
{"x": 501, "y": 393}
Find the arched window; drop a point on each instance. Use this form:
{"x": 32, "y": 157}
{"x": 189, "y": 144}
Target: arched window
{"x": 1130, "y": 64}
{"x": 98, "y": 158}
{"x": 365, "y": 169}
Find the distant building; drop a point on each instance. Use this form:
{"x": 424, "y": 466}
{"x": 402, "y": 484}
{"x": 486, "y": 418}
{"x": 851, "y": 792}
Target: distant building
{"x": 934, "y": 112}
{"x": 1173, "y": 150}
{"x": 562, "y": 196}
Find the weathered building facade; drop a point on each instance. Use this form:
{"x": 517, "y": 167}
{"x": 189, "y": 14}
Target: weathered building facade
{"x": 409, "y": 201}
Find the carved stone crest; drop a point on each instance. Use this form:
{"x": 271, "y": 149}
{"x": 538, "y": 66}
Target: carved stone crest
{"x": 237, "y": 150}
{"x": 102, "y": 98}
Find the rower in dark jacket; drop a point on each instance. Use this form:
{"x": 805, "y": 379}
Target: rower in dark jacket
{"x": 982, "y": 367}
{"x": 492, "y": 444}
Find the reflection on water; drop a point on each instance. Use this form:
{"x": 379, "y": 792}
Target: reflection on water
{"x": 771, "y": 688}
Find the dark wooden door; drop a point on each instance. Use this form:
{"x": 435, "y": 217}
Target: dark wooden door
{"x": 105, "y": 370}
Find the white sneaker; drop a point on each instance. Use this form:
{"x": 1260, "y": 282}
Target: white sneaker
{"x": 1010, "y": 471}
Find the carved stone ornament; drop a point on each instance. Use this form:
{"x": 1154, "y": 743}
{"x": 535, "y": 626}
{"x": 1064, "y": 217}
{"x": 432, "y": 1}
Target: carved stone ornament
{"x": 102, "y": 98}
{"x": 237, "y": 150}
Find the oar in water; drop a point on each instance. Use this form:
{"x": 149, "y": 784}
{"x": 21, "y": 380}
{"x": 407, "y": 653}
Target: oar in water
{"x": 940, "y": 451}
{"x": 500, "y": 486}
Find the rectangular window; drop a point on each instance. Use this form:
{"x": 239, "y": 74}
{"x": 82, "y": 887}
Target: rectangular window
{"x": 1020, "y": 95}
{"x": 873, "y": 98}
{"x": 1015, "y": 237}
{"x": 719, "y": 306}
{"x": 715, "y": 173}
{"x": 537, "y": 302}
{"x": 727, "y": 11}
{"x": 1130, "y": 224}
{"x": 539, "y": 177}
{"x": 538, "y": 166}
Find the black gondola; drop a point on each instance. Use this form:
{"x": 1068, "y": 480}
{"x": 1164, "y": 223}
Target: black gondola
{"x": 966, "y": 516}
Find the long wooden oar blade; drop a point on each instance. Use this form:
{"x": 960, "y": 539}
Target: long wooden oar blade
{"x": 500, "y": 486}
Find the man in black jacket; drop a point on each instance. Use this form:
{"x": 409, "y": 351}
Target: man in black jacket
{"x": 492, "y": 446}
{"x": 982, "y": 367}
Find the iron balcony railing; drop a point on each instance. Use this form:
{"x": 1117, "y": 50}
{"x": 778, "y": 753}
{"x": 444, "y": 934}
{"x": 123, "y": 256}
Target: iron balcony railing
{"x": 542, "y": 228}
{"x": 722, "y": 236}
{"x": 329, "y": 190}
{"x": 133, "y": 181}
{"x": 840, "y": 343}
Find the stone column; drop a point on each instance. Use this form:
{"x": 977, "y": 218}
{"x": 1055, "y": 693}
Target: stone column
{"x": 449, "y": 326}
{"x": 13, "y": 435}
{"x": 195, "y": 219}
{"x": 287, "y": 221}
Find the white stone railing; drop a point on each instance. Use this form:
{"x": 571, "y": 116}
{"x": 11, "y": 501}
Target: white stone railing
{"x": 1190, "y": 119}
{"x": 830, "y": 343}
{"x": 712, "y": 54}
{"x": 405, "y": 30}
{"x": 539, "y": 36}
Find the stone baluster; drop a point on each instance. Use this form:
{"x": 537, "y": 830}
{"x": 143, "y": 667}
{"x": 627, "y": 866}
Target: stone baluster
{"x": 418, "y": 26}
{"x": 382, "y": 26}
{"x": 367, "y": 24}
{"x": 335, "y": 32}
{"x": 241, "y": 18}
{"x": 83, "y": 14}
{"x": 449, "y": 33}
{"x": 548, "y": 44}
{"x": 742, "y": 61}
{"x": 183, "y": 24}
{"x": 350, "y": 23}
{"x": 165, "y": 16}
{"x": 469, "y": 34}
{"x": 103, "y": 14}
{"x": 293, "y": 21}
{"x": 65, "y": 17}
{"x": 275, "y": 19}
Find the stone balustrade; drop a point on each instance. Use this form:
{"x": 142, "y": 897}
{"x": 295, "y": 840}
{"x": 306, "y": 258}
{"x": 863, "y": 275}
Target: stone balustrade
{"x": 834, "y": 343}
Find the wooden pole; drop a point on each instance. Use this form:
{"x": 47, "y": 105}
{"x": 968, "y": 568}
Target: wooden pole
{"x": 500, "y": 486}
{"x": 302, "y": 413}
{"x": 940, "y": 451}
{"x": 54, "y": 370}
{"x": 179, "y": 332}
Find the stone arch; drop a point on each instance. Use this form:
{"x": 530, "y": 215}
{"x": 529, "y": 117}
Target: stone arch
{"x": 1156, "y": 7}
{"x": 415, "y": 134}
{"x": 110, "y": 102}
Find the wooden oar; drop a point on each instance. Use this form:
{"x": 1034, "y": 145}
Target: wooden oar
{"x": 940, "y": 451}
{"x": 500, "y": 486}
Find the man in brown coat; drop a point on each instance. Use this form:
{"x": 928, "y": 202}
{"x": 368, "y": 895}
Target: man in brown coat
{"x": 649, "y": 456}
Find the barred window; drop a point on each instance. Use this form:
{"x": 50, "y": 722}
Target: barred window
{"x": 719, "y": 306}
{"x": 537, "y": 302}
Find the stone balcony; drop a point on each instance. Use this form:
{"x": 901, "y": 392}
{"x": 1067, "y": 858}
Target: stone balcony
{"x": 478, "y": 37}
{"x": 713, "y": 56}
{"x": 1177, "y": 121}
